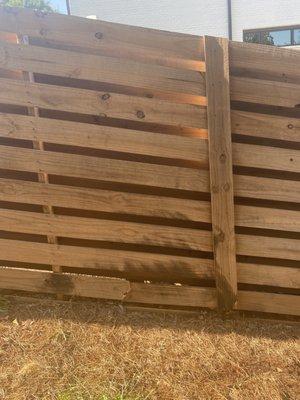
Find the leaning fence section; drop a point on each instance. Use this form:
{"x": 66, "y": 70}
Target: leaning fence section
{"x": 147, "y": 166}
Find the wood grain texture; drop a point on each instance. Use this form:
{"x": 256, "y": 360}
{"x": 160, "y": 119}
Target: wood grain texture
{"x": 70, "y": 64}
{"x": 264, "y": 92}
{"x": 99, "y": 103}
{"x": 221, "y": 175}
{"x": 265, "y": 126}
{"x": 265, "y": 62}
{"x": 104, "y": 137}
{"x": 269, "y": 275}
{"x": 266, "y": 188}
{"x": 104, "y": 200}
{"x": 106, "y": 288}
{"x": 39, "y": 145}
{"x": 67, "y": 284}
{"x": 264, "y": 246}
{"x": 186, "y": 296}
{"x": 103, "y": 169}
{"x": 269, "y": 302}
{"x": 142, "y": 204}
{"x": 266, "y": 157}
{"x": 142, "y": 44}
{"x": 146, "y": 266}
{"x": 105, "y": 230}
{"x": 267, "y": 218}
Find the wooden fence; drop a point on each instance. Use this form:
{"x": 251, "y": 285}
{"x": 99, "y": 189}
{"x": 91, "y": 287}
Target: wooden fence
{"x": 147, "y": 166}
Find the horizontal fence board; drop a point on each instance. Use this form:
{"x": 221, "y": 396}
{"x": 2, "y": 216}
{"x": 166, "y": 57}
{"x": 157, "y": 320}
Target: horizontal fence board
{"x": 105, "y": 230}
{"x": 104, "y": 200}
{"x": 103, "y": 137}
{"x": 269, "y": 275}
{"x": 106, "y": 288}
{"x": 102, "y": 69}
{"x": 99, "y": 103}
{"x": 142, "y": 263}
{"x": 146, "y": 234}
{"x": 267, "y": 218}
{"x": 103, "y": 169}
{"x": 128, "y": 262}
{"x": 265, "y": 126}
{"x": 143, "y": 44}
{"x": 269, "y": 302}
{"x": 141, "y": 173}
{"x": 68, "y": 284}
{"x": 265, "y": 92}
{"x": 272, "y": 247}
{"x": 255, "y": 156}
{"x": 139, "y": 204}
{"x": 269, "y": 62}
{"x": 266, "y": 188}
{"x": 172, "y": 295}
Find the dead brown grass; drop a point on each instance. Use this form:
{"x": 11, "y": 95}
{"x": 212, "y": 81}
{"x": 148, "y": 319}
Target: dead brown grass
{"x": 90, "y": 351}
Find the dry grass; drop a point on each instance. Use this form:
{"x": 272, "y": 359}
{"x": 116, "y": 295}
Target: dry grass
{"x": 90, "y": 351}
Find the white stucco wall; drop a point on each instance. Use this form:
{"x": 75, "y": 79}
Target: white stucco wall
{"x": 197, "y": 17}
{"x": 188, "y": 16}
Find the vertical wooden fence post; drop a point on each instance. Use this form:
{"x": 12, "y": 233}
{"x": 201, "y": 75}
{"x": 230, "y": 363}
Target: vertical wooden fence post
{"x": 221, "y": 174}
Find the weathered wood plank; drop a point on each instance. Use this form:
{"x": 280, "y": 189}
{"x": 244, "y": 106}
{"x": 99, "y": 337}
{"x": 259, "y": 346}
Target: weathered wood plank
{"x": 143, "y": 264}
{"x": 142, "y": 173}
{"x": 105, "y": 230}
{"x": 104, "y": 200}
{"x": 264, "y": 92}
{"x": 266, "y": 188}
{"x": 221, "y": 175}
{"x": 265, "y": 126}
{"x": 104, "y": 137}
{"x": 12, "y": 158}
{"x": 265, "y": 157}
{"x": 71, "y": 64}
{"x": 268, "y": 302}
{"x": 106, "y": 288}
{"x": 272, "y": 247}
{"x": 67, "y": 284}
{"x": 265, "y": 62}
{"x": 100, "y": 103}
{"x": 185, "y": 296}
{"x": 142, "y": 44}
{"x": 146, "y": 266}
{"x": 139, "y": 204}
{"x": 269, "y": 275}
{"x": 267, "y": 218}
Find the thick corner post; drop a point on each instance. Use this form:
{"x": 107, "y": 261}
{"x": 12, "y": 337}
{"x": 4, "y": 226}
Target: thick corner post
{"x": 221, "y": 173}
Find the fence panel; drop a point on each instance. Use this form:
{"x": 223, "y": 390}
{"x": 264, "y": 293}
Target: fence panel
{"x": 171, "y": 161}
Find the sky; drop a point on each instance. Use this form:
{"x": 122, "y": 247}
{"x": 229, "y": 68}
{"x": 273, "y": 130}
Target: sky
{"x": 59, "y": 5}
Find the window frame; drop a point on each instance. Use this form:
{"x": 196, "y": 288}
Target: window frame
{"x": 260, "y": 31}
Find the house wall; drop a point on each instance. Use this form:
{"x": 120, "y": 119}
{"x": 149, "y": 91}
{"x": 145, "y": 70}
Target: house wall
{"x": 197, "y": 17}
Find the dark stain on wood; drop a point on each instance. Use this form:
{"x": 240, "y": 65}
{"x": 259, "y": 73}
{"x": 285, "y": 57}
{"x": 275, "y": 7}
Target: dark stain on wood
{"x": 59, "y": 283}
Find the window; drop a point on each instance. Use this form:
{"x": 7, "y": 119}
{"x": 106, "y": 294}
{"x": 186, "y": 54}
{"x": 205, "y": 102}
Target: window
{"x": 297, "y": 36}
{"x": 274, "y": 37}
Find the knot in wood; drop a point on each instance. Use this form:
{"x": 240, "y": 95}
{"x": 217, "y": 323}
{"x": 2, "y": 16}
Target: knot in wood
{"x": 140, "y": 114}
{"x": 290, "y": 126}
{"x": 98, "y": 35}
{"x": 105, "y": 96}
{"x": 226, "y": 187}
{"x": 223, "y": 158}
